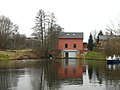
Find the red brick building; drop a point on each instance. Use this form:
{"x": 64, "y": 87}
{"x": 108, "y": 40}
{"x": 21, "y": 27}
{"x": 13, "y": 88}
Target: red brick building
{"x": 70, "y": 44}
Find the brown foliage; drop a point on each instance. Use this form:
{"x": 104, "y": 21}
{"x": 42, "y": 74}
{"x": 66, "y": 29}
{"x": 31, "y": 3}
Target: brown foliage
{"x": 112, "y": 46}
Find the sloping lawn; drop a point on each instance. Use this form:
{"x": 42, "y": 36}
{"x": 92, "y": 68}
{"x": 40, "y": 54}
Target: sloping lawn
{"x": 95, "y": 55}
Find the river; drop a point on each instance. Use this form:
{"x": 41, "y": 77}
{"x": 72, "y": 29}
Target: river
{"x": 61, "y": 74}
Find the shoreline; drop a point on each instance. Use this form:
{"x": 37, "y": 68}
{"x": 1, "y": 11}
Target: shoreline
{"x": 17, "y": 55}
{"x": 29, "y": 54}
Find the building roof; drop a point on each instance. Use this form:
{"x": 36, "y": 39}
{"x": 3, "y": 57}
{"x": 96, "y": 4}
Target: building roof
{"x": 106, "y": 37}
{"x": 71, "y": 35}
{"x": 103, "y": 37}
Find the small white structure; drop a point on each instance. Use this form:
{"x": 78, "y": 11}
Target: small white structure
{"x": 109, "y": 58}
{"x": 113, "y": 58}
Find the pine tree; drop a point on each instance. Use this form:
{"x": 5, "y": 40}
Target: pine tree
{"x": 100, "y": 33}
{"x": 90, "y": 43}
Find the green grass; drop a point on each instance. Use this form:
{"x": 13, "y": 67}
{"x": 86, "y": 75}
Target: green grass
{"x": 95, "y": 55}
{"x": 17, "y": 54}
{"x": 4, "y": 57}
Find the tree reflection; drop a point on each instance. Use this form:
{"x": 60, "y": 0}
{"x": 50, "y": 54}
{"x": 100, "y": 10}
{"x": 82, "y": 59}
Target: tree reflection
{"x": 51, "y": 72}
{"x": 95, "y": 70}
{"x": 9, "y": 78}
{"x": 45, "y": 76}
{"x": 101, "y": 73}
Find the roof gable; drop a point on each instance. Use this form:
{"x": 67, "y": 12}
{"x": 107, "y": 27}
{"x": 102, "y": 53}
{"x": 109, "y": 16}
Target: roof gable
{"x": 71, "y": 35}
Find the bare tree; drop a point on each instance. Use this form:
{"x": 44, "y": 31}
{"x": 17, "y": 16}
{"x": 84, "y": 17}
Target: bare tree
{"x": 39, "y": 28}
{"x": 46, "y": 30}
{"x": 112, "y": 45}
{"x": 6, "y": 29}
{"x": 94, "y": 33}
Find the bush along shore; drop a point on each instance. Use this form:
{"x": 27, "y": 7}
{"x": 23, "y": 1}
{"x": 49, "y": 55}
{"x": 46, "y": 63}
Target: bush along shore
{"x": 17, "y": 55}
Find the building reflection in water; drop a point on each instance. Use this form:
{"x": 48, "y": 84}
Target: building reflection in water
{"x": 71, "y": 70}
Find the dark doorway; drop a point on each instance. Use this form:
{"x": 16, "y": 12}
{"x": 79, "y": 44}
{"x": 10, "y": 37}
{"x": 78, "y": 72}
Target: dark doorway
{"x": 66, "y": 62}
{"x": 66, "y": 55}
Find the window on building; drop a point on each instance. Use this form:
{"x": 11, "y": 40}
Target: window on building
{"x": 74, "y": 45}
{"x": 66, "y": 45}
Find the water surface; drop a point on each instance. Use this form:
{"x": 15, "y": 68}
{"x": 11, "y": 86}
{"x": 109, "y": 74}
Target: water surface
{"x": 62, "y": 74}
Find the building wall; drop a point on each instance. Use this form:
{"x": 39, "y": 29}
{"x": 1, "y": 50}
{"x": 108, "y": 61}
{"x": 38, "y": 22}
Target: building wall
{"x": 70, "y": 72}
{"x": 70, "y": 42}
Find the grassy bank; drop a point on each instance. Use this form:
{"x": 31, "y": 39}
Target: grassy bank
{"x": 29, "y": 54}
{"x": 95, "y": 55}
{"x": 17, "y": 54}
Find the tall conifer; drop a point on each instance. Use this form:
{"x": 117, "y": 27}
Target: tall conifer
{"x": 90, "y": 43}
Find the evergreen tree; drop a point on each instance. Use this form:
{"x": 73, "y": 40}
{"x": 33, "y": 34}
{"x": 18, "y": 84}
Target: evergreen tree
{"x": 90, "y": 43}
{"x": 100, "y": 33}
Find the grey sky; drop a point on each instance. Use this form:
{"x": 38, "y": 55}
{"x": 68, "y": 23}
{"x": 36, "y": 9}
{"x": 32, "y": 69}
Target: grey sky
{"x": 73, "y": 15}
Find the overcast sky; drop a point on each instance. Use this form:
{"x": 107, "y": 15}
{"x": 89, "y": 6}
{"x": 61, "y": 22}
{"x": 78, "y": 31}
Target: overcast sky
{"x": 73, "y": 15}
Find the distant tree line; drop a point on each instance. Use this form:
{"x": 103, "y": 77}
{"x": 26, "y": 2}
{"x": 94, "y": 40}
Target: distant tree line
{"x": 11, "y": 39}
{"x": 44, "y": 36}
{"x": 9, "y": 35}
